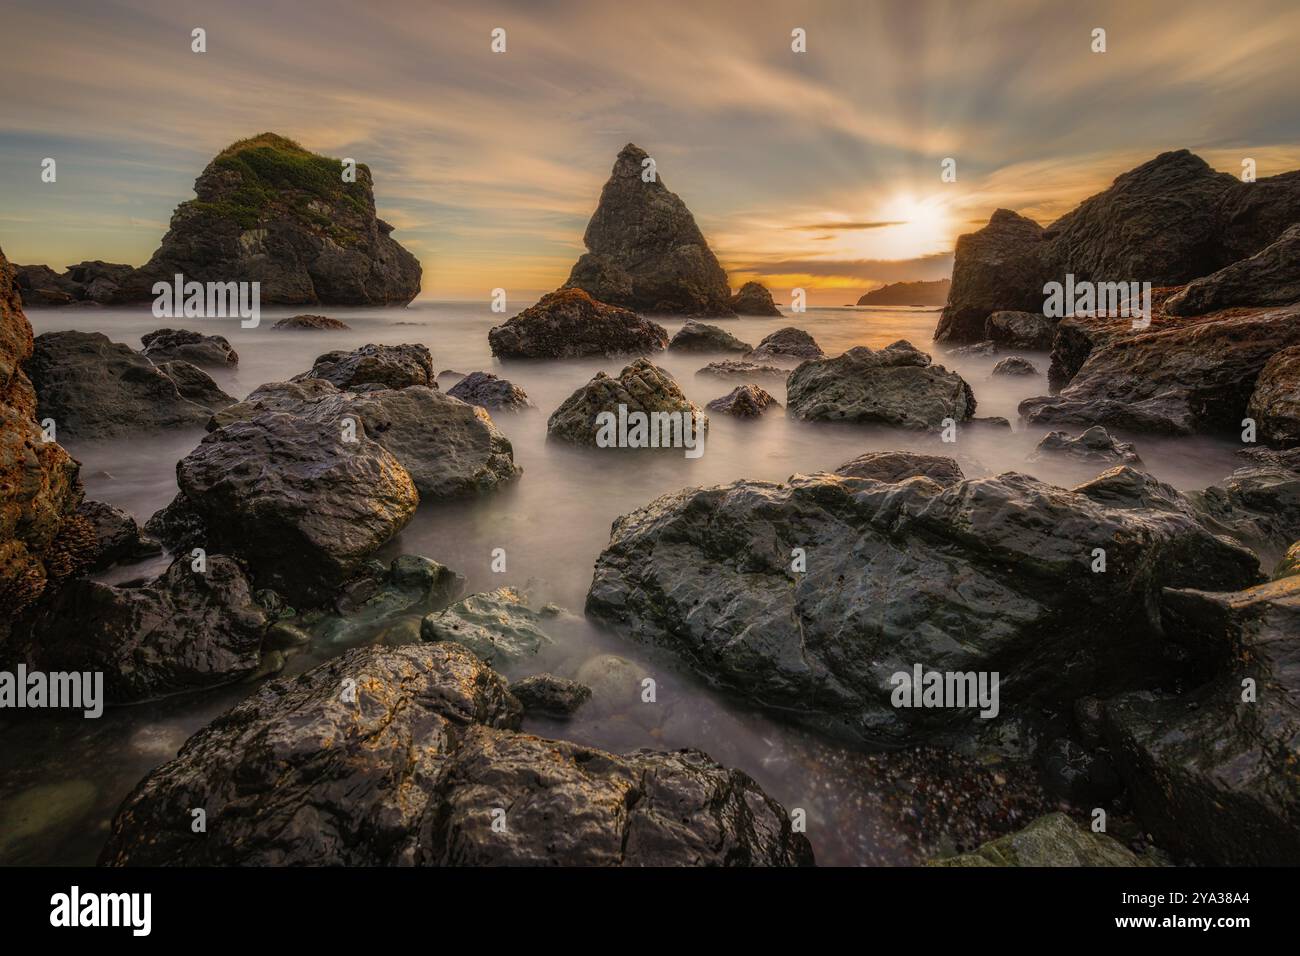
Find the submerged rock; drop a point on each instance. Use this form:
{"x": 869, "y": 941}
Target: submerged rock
{"x": 1053, "y": 840}
{"x": 411, "y": 770}
{"x": 391, "y": 366}
{"x": 786, "y": 343}
{"x": 1015, "y": 365}
{"x": 707, "y": 572}
{"x": 753, "y": 299}
{"x": 1096, "y": 445}
{"x": 1210, "y": 773}
{"x": 550, "y": 696}
{"x": 184, "y": 631}
{"x": 94, "y": 388}
{"x": 645, "y": 251}
{"x": 744, "y": 370}
{"x": 193, "y": 347}
{"x": 893, "y": 466}
{"x": 1271, "y": 277}
{"x": 894, "y": 386}
{"x": 1275, "y": 402}
{"x": 569, "y": 323}
{"x": 487, "y": 391}
{"x": 498, "y": 626}
{"x": 1020, "y": 330}
{"x": 640, "y": 387}
{"x": 320, "y": 323}
{"x": 268, "y": 211}
{"x": 699, "y": 337}
{"x": 744, "y": 401}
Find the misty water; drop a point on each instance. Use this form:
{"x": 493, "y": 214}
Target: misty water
{"x": 62, "y": 778}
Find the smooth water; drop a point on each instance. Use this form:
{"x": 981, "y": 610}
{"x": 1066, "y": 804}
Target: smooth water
{"x": 62, "y": 778}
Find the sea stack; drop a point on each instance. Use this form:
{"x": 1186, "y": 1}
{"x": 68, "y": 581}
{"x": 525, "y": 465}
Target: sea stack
{"x": 645, "y": 251}
{"x": 266, "y": 210}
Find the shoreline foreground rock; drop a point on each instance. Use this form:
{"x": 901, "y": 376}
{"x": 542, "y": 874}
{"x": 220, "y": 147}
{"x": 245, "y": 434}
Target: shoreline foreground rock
{"x": 570, "y": 323}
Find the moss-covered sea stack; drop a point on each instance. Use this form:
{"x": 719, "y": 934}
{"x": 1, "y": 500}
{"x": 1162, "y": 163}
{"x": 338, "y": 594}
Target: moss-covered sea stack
{"x": 267, "y": 210}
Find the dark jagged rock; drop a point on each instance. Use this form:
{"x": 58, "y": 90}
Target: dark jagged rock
{"x": 753, "y": 299}
{"x": 487, "y": 391}
{"x": 752, "y": 371}
{"x": 86, "y": 283}
{"x": 391, "y": 366}
{"x": 1210, "y": 774}
{"x": 641, "y": 386}
{"x": 550, "y": 696}
{"x": 1020, "y": 330}
{"x": 117, "y": 536}
{"x": 411, "y": 771}
{"x": 1275, "y": 402}
{"x": 707, "y": 573}
{"x": 1015, "y": 365}
{"x": 785, "y": 344}
{"x": 1271, "y": 277}
{"x": 268, "y": 211}
{"x": 39, "y": 484}
{"x": 1001, "y": 267}
{"x": 196, "y": 385}
{"x": 894, "y": 386}
{"x": 302, "y": 504}
{"x": 193, "y": 347}
{"x": 744, "y": 401}
{"x": 186, "y": 630}
{"x": 894, "y": 466}
{"x": 1053, "y": 840}
{"x": 909, "y": 293}
{"x": 1258, "y": 504}
{"x": 1096, "y": 445}
{"x": 318, "y": 323}
{"x": 1177, "y": 378}
{"x": 94, "y": 388}
{"x": 699, "y": 337}
{"x": 569, "y": 323}
{"x": 644, "y": 250}
{"x": 448, "y": 447}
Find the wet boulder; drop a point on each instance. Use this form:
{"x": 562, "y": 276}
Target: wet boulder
{"x": 1020, "y": 330}
{"x": 984, "y": 575}
{"x": 753, "y": 299}
{"x": 1095, "y": 446}
{"x": 744, "y": 401}
{"x": 749, "y": 371}
{"x": 1053, "y": 840}
{"x": 640, "y": 387}
{"x": 570, "y": 323}
{"x": 196, "y": 385}
{"x": 389, "y": 366}
{"x": 410, "y": 769}
{"x": 785, "y": 345}
{"x": 1275, "y": 402}
{"x": 488, "y": 391}
{"x": 498, "y": 626}
{"x": 117, "y": 536}
{"x": 193, "y": 347}
{"x": 1001, "y": 267}
{"x": 317, "y": 323}
{"x": 1271, "y": 277}
{"x": 1015, "y": 365}
{"x": 549, "y": 696}
{"x": 894, "y": 386}
{"x": 893, "y": 466}
{"x": 1258, "y": 504}
{"x": 701, "y": 337}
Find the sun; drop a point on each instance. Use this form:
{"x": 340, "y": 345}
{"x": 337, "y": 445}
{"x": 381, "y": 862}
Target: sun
{"x": 920, "y": 226}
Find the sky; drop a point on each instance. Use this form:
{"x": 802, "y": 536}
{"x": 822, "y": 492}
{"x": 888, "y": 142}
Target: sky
{"x": 820, "y": 169}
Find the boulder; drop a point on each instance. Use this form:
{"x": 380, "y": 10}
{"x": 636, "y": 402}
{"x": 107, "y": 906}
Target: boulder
{"x": 1020, "y": 330}
{"x": 412, "y": 772}
{"x": 268, "y": 211}
{"x": 895, "y": 466}
{"x": 1271, "y": 277}
{"x": 498, "y": 626}
{"x": 699, "y": 337}
{"x": 86, "y": 283}
{"x": 550, "y": 696}
{"x": 1275, "y": 402}
{"x": 117, "y": 536}
{"x": 302, "y": 504}
{"x": 894, "y": 386}
{"x": 1095, "y": 446}
{"x": 196, "y": 385}
{"x": 317, "y": 323}
{"x": 744, "y": 401}
{"x": 1176, "y": 379}
{"x": 1258, "y": 504}
{"x": 752, "y": 371}
{"x": 753, "y": 299}
{"x": 785, "y": 344}
{"x": 1053, "y": 840}
{"x": 640, "y": 387}
{"x": 94, "y": 388}
{"x": 1015, "y": 365}
{"x": 186, "y": 630}
{"x": 569, "y": 323}
{"x": 1212, "y": 775}
{"x": 390, "y": 366}
{"x": 1000, "y": 267}
{"x": 1290, "y": 563}
{"x": 984, "y": 575}
{"x": 448, "y": 447}
{"x": 645, "y": 251}
{"x": 487, "y": 391}
{"x": 193, "y": 347}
